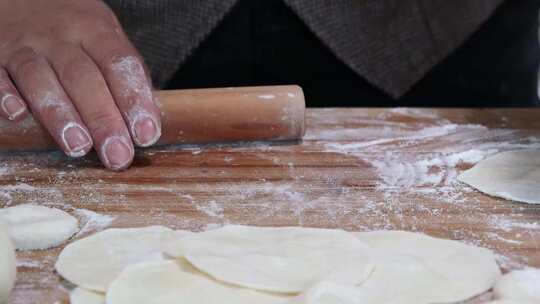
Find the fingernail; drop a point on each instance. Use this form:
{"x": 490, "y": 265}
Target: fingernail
{"x": 13, "y": 106}
{"x": 117, "y": 153}
{"x": 146, "y": 132}
{"x": 77, "y": 140}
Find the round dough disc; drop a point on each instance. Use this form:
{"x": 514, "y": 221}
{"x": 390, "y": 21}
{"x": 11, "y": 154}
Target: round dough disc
{"x": 509, "y": 302}
{"x": 95, "y": 261}
{"x": 513, "y": 175}
{"x": 34, "y": 227}
{"x": 411, "y": 267}
{"x": 330, "y": 293}
{"x": 519, "y": 285}
{"x": 7, "y": 265}
{"x": 286, "y": 260}
{"x": 174, "y": 282}
{"x": 83, "y": 296}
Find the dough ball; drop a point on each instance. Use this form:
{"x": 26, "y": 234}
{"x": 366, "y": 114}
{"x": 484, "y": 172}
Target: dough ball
{"x": 285, "y": 260}
{"x": 34, "y": 227}
{"x": 95, "y": 261}
{"x": 513, "y": 175}
{"x": 519, "y": 285}
{"x": 83, "y": 296}
{"x": 174, "y": 282}
{"x": 7, "y": 265}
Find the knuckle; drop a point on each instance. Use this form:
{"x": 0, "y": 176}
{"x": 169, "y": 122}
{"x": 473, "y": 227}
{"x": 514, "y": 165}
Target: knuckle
{"x": 5, "y": 82}
{"x": 113, "y": 55}
{"x": 38, "y": 39}
{"x": 25, "y": 61}
{"x": 75, "y": 67}
{"x": 103, "y": 36}
{"x": 105, "y": 122}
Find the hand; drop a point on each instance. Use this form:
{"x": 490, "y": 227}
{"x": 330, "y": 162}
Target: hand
{"x": 71, "y": 64}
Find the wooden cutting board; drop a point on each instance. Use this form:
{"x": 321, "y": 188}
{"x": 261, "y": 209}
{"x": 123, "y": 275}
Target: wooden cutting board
{"x": 357, "y": 169}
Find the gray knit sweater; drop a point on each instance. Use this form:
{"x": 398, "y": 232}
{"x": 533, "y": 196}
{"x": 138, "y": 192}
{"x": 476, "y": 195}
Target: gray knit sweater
{"x": 391, "y": 43}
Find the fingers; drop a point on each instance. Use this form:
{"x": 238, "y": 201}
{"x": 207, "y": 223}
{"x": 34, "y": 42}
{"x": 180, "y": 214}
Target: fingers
{"x": 88, "y": 91}
{"x": 127, "y": 80}
{"x": 12, "y": 105}
{"x": 39, "y": 86}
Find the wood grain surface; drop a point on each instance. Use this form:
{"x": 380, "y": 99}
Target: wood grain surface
{"x": 357, "y": 169}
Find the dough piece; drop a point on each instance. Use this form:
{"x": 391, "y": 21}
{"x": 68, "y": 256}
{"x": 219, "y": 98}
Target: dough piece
{"x": 174, "y": 282}
{"x": 511, "y": 175}
{"x": 413, "y": 267}
{"x": 8, "y": 266}
{"x": 83, "y": 296}
{"x": 95, "y": 261}
{"x": 397, "y": 279}
{"x": 330, "y": 293}
{"x": 34, "y": 227}
{"x": 519, "y": 285}
{"x": 285, "y": 260}
{"x": 509, "y": 302}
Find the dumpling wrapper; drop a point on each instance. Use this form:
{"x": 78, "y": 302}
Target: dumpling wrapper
{"x": 34, "y": 227}
{"x": 174, "y": 282}
{"x": 284, "y": 260}
{"x": 95, "y": 261}
{"x": 82, "y": 296}
{"x": 330, "y": 293}
{"x": 8, "y": 268}
{"x": 509, "y": 302}
{"x": 416, "y": 268}
{"x": 519, "y": 285}
{"x": 513, "y": 175}
{"x": 397, "y": 279}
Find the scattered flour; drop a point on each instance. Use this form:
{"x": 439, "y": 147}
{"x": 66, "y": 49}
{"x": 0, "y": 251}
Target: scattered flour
{"x": 28, "y": 263}
{"x": 507, "y": 225}
{"x": 29, "y": 194}
{"x": 411, "y": 137}
{"x": 495, "y": 236}
{"x": 428, "y": 174}
{"x": 212, "y": 209}
{"x": 133, "y": 78}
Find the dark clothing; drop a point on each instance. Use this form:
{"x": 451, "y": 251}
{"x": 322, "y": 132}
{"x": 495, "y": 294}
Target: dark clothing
{"x": 348, "y": 52}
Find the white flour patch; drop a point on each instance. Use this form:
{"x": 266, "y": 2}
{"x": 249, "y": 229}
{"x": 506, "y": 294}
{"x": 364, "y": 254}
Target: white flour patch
{"x": 507, "y": 224}
{"x": 212, "y": 209}
{"x": 31, "y": 194}
{"x": 406, "y": 138}
{"x": 428, "y": 174}
{"x": 19, "y": 187}
{"x": 133, "y": 77}
{"x": 496, "y": 237}
{"x": 50, "y": 100}
{"x": 28, "y": 263}
{"x": 92, "y": 222}
{"x": 5, "y": 170}
{"x": 421, "y": 113}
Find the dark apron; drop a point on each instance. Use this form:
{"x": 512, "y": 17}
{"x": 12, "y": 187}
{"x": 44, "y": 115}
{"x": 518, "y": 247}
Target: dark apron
{"x": 351, "y": 52}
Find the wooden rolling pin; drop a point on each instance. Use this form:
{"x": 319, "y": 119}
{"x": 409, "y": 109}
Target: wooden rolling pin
{"x": 199, "y": 116}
